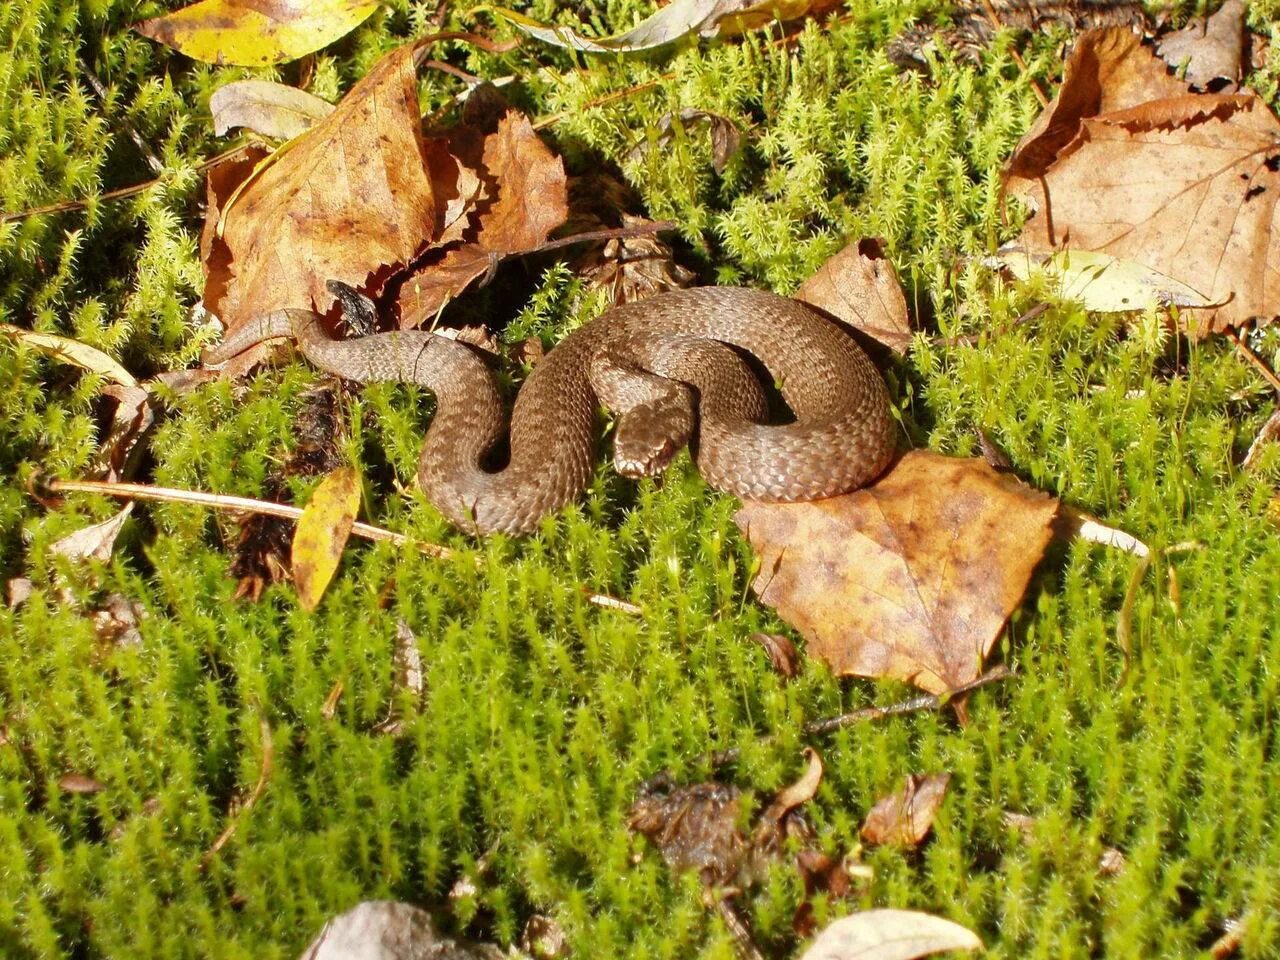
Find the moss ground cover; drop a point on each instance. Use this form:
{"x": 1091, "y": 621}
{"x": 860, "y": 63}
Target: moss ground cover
{"x": 543, "y": 713}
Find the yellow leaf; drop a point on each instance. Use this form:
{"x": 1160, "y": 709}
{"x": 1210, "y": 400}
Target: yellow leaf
{"x": 322, "y": 533}
{"x": 1102, "y": 283}
{"x": 254, "y": 33}
{"x": 72, "y": 351}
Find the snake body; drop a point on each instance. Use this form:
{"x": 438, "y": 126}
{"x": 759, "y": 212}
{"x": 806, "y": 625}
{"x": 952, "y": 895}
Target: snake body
{"x": 663, "y": 367}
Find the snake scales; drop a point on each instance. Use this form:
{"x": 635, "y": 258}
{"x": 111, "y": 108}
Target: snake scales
{"x": 663, "y": 367}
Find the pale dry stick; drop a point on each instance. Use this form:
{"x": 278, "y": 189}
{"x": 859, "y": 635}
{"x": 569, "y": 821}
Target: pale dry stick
{"x": 63, "y": 206}
{"x": 142, "y": 491}
{"x": 1261, "y": 365}
{"x": 264, "y": 775}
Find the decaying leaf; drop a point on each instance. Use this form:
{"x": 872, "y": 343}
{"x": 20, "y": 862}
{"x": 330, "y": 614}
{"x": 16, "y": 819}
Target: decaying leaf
{"x": 271, "y": 109}
{"x": 408, "y": 679}
{"x": 94, "y": 542}
{"x": 254, "y": 33}
{"x": 911, "y": 578}
{"x": 116, "y": 622}
{"x": 70, "y": 351}
{"x": 632, "y": 268}
{"x": 860, "y": 287}
{"x": 726, "y": 138}
{"x": 1212, "y": 49}
{"x": 79, "y": 783}
{"x": 525, "y": 198}
{"x": 355, "y": 198}
{"x": 322, "y": 533}
{"x": 696, "y": 827}
{"x": 544, "y": 939}
{"x": 387, "y": 930}
{"x": 1099, "y": 281}
{"x": 890, "y": 935}
{"x": 1184, "y": 184}
{"x": 905, "y": 817}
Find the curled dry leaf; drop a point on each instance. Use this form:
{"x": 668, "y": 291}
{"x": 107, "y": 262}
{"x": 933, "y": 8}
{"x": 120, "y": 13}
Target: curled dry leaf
{"x": 525, "y": 198}
{"x": 1108, "y": 70}
{"x": 726, "y": 138}
{"x": 1190, "y": 186}
{"x": 322, "y": 533}
{"x": 860, "y": 286}
{"x": 782, "y": 653}
{"x": 387, "y": 930}
{"x": 905, "y": 817}
{"x": 271, "y": 109}
{"x": 911, "y": 578}
{"x": 355, "y": 198}
{"x": 254, "y": 33}
{"x": 890, "y": 935}
{"x": 1210, "y": 49}
{"x": 94, "y": 542}
{"x": 133, "y": 416}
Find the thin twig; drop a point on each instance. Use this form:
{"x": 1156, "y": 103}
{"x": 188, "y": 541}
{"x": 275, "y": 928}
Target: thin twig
{"x": 618, "y": 233}
{"x": 1017, "y": 57}
{"x": 218, "y": 501}
{"x": 62, "y": 206}
{"x": 971, "y": 339}
{"x": 1261, "y": 365}
{"x": 602, "y": 100}
{"x": 738, "y": 927}
{"x": 142, "y": 491}
{"x": 264, "y": 775}
{"x": 928, "y": 701}
{"x": 143, "y": 147}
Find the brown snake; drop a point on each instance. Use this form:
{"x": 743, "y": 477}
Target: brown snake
{"x": 663, "y": 367}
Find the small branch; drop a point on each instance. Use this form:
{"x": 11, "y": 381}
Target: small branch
{"x": 63, "y": 206}
{"x": 555, "y": 118}
{"x": 738, "y": 927}
{"x": 264, "y": 775}
{"x": 142, "y": 491}
{"x": 930, "y": 701}
{"x": 971, "y": 339}
{"x": 143, "y": 147}
{"x": 1017, "y": 57}
{"x": 619, "y": 233}
{"x": 1261, "y": 365}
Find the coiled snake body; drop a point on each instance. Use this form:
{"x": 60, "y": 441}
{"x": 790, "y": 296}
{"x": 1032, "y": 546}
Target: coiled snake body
{"x": 663, "y": 367}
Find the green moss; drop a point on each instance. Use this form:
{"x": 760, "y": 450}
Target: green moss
{"x": 543, "y": 712}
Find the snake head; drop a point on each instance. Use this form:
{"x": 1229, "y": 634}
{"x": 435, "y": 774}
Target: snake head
{"x": 649, "y": 436}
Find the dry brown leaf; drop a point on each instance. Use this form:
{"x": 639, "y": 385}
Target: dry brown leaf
{"x": 1212, "y": 48}
{"x": 911, "y": 578}
{"x": 1109, "y": 69}
{"x": 1187, "y": 186}
{"x": 322, "y": 533}
{"x": 525, "y": 197}
{"x": 860, "y": 286}
{"x": 355, "y": 198}
{"x": 905, "y": 817}
{"x": 782, "y": 653}
{"x": 726, "y": 138}
{"x": 890, "y": 935}
{"x": 116, "y": 622}
{"x": 94, "y": 542}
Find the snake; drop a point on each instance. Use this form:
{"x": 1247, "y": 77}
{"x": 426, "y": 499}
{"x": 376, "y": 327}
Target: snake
{"x": 670, "y": 368}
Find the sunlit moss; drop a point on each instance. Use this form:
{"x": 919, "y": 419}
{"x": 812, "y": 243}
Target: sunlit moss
{"x": 543, "y": 712}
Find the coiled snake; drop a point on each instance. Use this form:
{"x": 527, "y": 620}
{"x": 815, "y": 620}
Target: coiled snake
{"x": 663, "y": 367}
